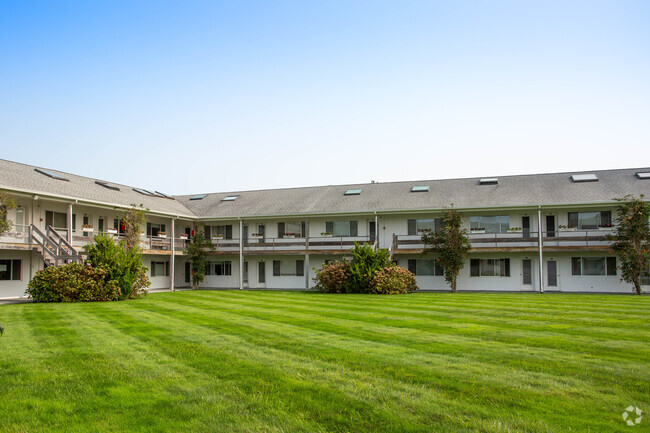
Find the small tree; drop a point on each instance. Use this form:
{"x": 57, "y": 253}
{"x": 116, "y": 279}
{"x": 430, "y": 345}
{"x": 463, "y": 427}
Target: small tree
{"x": 366, "y": 262}
{"x": 450, "y": 244}
{"x": 6, "y": 203}
{"x": 198, "y": 250}
{"x": 133, "y": 220}
{"x": 631, "y": 239}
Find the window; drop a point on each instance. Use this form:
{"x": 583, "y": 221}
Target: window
{"x": 590, "y": 220}
{"x": 154, "y": 228}
{"x": 107, "y": 185}
{"x": 296, "y": 229}
{"x": 159, "y": 269}
{"x": 342, "y": 228}
{"x": 282, "y": 268}
{"x": 593, "y": 266}
{"x": 576, "y": 178}
{"x": 489, "y": 268}
{"x": 230, "y": 198}
{"x": 10, "y": 270}
{"x": 420, "y": 226}
{"x": 488, "y": 181}
{"x": 51, "y": 174}
{"x": 57, "y": 220}
{"x": 198, "y": 197}
{"x": 353, "y": 192}
{"x": 219, "y": 268}
{"x": 224, "y": 231}
{"x": 425, "y": 267}
{"x": 491, "y": 223}
{"x": 420, "y": 188}
{"x": 143, "y": 191}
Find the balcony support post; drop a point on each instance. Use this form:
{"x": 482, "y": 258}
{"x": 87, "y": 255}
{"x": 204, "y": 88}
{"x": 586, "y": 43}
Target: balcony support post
{"x": 69, "y": 233}
{"x": 376, "y": 232}
{"x": 539, "y": 243}
{"x": 307, "y": 253}
{"x": 173, "y": 259}
{"x": 241, "y": 254}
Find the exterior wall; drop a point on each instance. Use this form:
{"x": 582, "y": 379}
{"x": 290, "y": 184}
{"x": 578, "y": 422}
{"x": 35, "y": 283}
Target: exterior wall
{"x": 16, "y": 289}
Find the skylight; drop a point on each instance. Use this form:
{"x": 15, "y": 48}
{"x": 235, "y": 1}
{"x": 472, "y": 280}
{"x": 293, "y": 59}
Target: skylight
{"x": 107, "y": 185}
{"x": 643, "y": 175}
{"x": 230, "y": 198}
{"x": 353, "y": 192}
{"x": 51, "y": 174}
{"x": 489, "y": 181}
{"x": 160, "y": 194}
{"x": 143, "y": 191}
{"x": 198, "y": 197}
{"x": 420, "y": 188}
{"x": 584, "y": 178}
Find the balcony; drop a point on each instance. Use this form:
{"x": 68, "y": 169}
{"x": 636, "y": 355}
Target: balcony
{"x": 595, "y": 239}
{"x": 313, "y": 245}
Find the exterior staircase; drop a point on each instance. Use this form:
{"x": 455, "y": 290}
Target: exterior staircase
{"x": 52, "y": 248}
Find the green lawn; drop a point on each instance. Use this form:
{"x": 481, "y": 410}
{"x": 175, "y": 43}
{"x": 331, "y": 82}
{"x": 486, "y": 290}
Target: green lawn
{"x": 305, "y": 362}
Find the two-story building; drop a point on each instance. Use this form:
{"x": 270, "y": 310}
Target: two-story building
{"x": 545, "y": 232}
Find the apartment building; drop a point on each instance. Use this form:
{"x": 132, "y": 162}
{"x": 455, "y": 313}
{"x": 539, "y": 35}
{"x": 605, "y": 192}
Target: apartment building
{"x": 543, "y": 232}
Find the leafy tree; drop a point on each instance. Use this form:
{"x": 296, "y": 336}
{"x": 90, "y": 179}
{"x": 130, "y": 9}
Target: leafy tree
{"x": 450, "y": 244}
{"x": 122, "y": 266}
{"x": 197, "y": 251}
{"x": 631, "y": 240}
{"x": 6, "y": 203}
{"x": 133, "y": 220}
{"x": 366, "y": 262}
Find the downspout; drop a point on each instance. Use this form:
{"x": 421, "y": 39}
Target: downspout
{"x": 173, "y": 259}
{"x": 241, "y": 254}
{"x": 539, "y": 243}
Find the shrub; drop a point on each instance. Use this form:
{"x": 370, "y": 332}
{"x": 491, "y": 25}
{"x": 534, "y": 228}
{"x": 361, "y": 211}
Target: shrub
{"x": 123, "y": 266}
{"x": 332, "y": 277}
{"x": 393, "y": 280}
{"x": 72, "y": 283}
{"x": 365, "y": 263}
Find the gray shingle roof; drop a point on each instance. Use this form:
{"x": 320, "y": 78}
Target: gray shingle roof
{"x": 511, "y": 191}
{"x": 23, "y": 177}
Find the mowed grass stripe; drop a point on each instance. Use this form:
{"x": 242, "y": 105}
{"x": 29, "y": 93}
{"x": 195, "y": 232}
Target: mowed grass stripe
{"x": 278, "y": 372}
{"x": 529, "y": 359}
{"x": 509, "y": 333}
{"x": 256, "y": 361}
{"x": 583, "y": 304}
{"x": 571, "y": 315}
{"x": 419, "y": 374}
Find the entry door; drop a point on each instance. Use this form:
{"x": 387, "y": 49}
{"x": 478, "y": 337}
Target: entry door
{"x": 245, "y": 276}
{"x": 552, "y": 273}
{"x": 525, "y": 225}
{"x": 261, "y": 272}
{"x": 527, "y": 272}
{"x": 372, "y": 229}
{"x": 550, "y": 226}
{"x": 188, "y": 271}
{"x": 260, "y": 230}
{"x": 245, "y": 235}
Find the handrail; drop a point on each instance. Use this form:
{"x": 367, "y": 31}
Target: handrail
{"x": 62, "y": 243}
{"x": 43, "y": 241}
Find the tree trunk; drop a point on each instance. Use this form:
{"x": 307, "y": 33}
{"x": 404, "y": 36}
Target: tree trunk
{"x": 637, "y": 286}
{"x": 453, "y": 285}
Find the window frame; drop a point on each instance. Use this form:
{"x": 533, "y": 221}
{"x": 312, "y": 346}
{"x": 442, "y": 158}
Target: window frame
{"x": 476, "y": 222}
{"x": 14, "y": 266}
{"x": 479, "y": 267}
{"x": 609, "y": 266}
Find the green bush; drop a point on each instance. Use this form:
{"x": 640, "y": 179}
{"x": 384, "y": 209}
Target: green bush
{"x": 332, "y": 277}
{"x": 123, "y": 267}
{"x": 369, "y": 272}
{"x": 72, "y": 283}
{"x": 393, "y": 280}
{"x": 366, "y": 262}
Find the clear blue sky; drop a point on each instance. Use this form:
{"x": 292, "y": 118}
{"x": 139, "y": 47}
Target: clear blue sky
{"x": 199, "y": 96}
